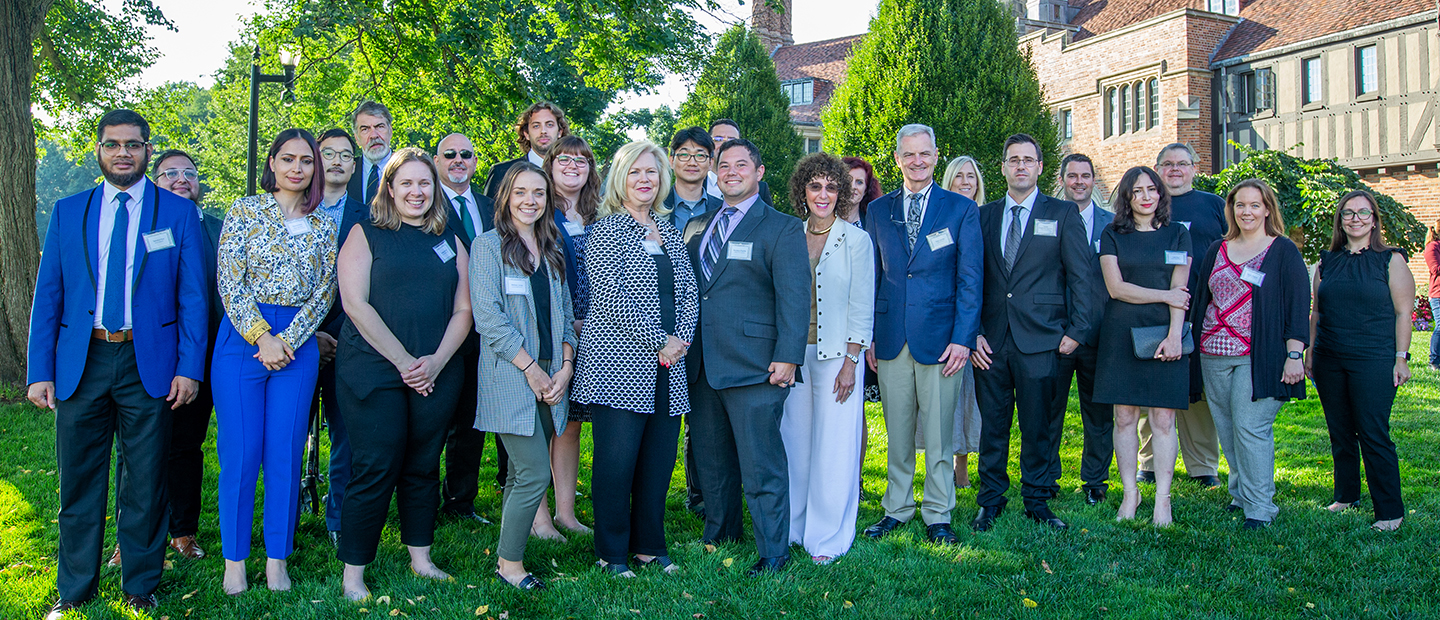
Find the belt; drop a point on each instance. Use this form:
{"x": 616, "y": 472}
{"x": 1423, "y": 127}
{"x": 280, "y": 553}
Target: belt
{"x": 123, "y": 335}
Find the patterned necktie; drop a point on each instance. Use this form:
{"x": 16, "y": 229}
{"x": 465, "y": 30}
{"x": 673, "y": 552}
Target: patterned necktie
{"x": 372, "y": 183}
{"x": 912, "y": 218}
{"x": 717, "y": 240}
{"x": 465, "y": 218}
{"x": 114, "y": 317}
{"x": 1012, "y": 238}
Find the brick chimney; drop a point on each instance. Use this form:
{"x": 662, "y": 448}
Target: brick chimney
{"x": 773, "y": 28}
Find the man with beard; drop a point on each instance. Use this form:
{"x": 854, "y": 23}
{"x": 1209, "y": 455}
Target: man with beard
{"x": 117, "y": 342}
{"x": 372, "y": 125}
{"x": 539, "y": 126}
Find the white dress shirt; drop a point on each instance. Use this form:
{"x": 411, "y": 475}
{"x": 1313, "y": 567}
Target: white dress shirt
{"x": 536, "y": 159}
{"x": 108, "y": 206}
{"x": 376, "y": 168}
{"x": 924, "y": 201}
{"x": 469, "y": 197}
{"x": 1026, "y": 207}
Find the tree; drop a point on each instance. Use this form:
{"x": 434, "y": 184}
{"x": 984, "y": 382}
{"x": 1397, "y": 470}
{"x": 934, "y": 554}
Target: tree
{"x": 1308, "y": 190}
{"x": 738, "y": 82}
{"x": 949, "y": 64}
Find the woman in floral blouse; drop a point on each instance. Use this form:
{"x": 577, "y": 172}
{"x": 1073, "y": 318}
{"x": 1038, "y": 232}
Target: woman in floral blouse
{"x": 277, "y": 281}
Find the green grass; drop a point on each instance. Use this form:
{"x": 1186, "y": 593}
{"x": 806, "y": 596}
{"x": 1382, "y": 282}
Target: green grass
{"x": 1310, "y": 564}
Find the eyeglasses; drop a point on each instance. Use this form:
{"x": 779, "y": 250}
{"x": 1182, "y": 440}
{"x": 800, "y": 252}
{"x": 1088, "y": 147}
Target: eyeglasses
{"x": 686, "y": 158}
{"x": 566, "y": 160}
{"x": 1176, "y": 165}
{"x": 1016, "y": 162}
{"x": 175, "y": 173}
{"x": 331, "y": 154}
{"x": 1363, "y": 214}
{"x": 464, "y": 154}
{"x": 112, "y": 147}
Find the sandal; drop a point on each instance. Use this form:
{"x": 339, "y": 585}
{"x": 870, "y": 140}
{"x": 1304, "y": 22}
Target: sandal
{"x": 529, "y": 582}
{"x": 615, "y": 570}
{"x": 662, "y": 561}
{"x": 1390, "y": 525}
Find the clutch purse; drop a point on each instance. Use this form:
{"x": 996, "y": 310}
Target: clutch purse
{"x": 1147, "y": 340}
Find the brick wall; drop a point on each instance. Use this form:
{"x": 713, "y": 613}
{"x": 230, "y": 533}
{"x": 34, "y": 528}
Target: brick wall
{"x": 1419, "y": 191}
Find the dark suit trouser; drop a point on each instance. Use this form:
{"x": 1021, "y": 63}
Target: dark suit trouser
{"x": 693, "y": 496}
{"x": 329, "y": 406}
{"x": 1097, "y": 419}
{"x": 1357, "y": 396}
{"x": 634, "y": 471}
{"x": 111, "y": 400}
{"x": 465, "y": 449}
{"x": 736, "y": 436}
{"x": 1018, "y": 386}
{"x": 189, "y": 425}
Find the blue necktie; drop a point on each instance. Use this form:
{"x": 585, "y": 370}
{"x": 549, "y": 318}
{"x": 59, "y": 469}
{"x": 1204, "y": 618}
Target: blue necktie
{"x": 372, "y": 183}
{"x": 114, "y": 317}
{"x": 717, "y": 239}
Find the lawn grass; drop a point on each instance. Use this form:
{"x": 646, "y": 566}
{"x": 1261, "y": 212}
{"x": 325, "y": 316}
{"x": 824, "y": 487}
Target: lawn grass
{"x": 1310, "y": 564}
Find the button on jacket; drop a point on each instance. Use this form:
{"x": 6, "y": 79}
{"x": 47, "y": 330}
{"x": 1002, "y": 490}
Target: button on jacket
{"x": 844, "y": 291}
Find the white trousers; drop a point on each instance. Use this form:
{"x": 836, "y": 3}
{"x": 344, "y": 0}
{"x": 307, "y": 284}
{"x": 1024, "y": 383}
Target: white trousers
{"x": 822, "y": 443}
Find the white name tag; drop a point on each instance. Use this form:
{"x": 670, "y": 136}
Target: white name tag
{"x": 1175, "y": 257}
{"x": 653, "y": 248}
{"x": 298, "y": 227}
{"x": 1097, "y": 246}
{"x": 574, "y": 229}
{"x": 1185, "y": 224}
{"x": 516, "y": 285}
{"x": 939, "y": 239}
{"x": 739, "y": 250}
{"x": 443, "y": 250}
{"x": 159, "y": 240}
{"x": 1046, "y": 228}
{"x": 1253, "y": 276}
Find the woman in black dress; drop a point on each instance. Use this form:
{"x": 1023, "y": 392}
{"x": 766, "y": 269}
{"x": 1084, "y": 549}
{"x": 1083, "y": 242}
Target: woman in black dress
{"x": 1360, "y": 353}
{"x": 1146, "y": 262}
{"x": 404, "y": 285}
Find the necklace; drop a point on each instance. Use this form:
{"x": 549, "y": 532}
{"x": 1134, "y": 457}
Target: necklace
{"x": 820, "y": 232}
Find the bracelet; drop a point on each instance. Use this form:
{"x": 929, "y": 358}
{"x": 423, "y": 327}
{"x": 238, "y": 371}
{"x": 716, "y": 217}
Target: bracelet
{"x": 567, "y": 361}
{"x": 527, "y": 366}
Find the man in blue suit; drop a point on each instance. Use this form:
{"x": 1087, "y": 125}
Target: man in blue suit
{"x": 117, "y": 330}
{"x": 927, "y": 315}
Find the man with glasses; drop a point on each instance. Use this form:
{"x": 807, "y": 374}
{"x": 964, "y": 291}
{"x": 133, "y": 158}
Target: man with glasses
{"x": 1038, "y": 307}
{"x": 372, "y": 125}
{"x": 1204, "y": 214}
{"x": 539, "y": 126}
{"x": 691, "y": 151}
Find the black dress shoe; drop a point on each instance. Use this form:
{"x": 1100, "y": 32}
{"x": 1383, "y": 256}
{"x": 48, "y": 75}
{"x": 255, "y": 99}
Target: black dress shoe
{"x": 985, "y": 519}
{"x": 1209, "y": 481}
{"x": 1233, "y": 508}
{"x": 1145, "y": 476}
{"x": 1255, "y": 524}
{"x": 882, "y": 527}
{"x": 768, "y": 565}
{"x": 940, "y": 533}
{"x": 473, "y": 518}
{"x": 1094, "y": 496}
{"x": 61, "y": 606}
{"x": 141, "y": 601}
{"x": 1043, "y": 515}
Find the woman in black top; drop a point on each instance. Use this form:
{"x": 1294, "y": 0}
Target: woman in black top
{"x": 407, "y": 304}
{"x": 1360, "y": 352}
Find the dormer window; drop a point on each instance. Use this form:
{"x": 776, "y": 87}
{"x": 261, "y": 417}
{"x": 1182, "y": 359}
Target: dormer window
{"x": 800, "y": 92}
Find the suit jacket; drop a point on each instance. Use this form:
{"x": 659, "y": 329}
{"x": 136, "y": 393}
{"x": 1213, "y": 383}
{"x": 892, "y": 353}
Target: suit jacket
{"x": 497, "y": 175}
{"x": 483, "y": 204}
{"x": 712, "y": 204}
{"x": 355, "y": 189}
{"x": 845, "y": 277}
{"x": 211, "y": 257}
{"x": 1102, "y": 218}
{"x": 752, "y": 312}
{"x": 169, "y": 301}
{"x": 355, "y": 212}
{"x": 1049, "y": 293}
{"x": 929, "y": 299}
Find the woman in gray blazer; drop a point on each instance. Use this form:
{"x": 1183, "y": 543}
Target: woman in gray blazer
{"x": 524, "y": 316}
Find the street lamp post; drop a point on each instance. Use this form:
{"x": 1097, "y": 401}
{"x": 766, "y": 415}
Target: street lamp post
{"x": 288, "y": 61}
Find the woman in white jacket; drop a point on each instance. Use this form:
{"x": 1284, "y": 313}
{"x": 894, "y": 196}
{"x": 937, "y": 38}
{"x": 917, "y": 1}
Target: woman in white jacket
{"x": 822, "y": 425}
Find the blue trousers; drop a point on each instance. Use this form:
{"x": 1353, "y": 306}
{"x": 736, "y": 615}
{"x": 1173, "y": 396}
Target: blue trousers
{"x": 261, "y": 418}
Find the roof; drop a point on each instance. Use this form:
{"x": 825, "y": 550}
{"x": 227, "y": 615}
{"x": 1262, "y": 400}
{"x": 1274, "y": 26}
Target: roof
{"x": 1097, "y": 17}
{"x": 822, "y": 60}
{"x": 1269, "y": 24}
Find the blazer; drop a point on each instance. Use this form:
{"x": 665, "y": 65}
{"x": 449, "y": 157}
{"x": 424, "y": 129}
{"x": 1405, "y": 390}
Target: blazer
{"x": 210, "y": 256}
{"x": 616, "y": 365}
{"x": 506, "y": 323}
{"x": 497, "y": 175}
{"x": 170, "y": 306}
{"x": 355, "y": 188}
{"x": 1102, "y": 218}
{"x": 752, "y": 312}
{"x": 712, "y": 203}
{"x": 929, "y": 299}
{"x": 1050, "y": 291}
{"x": 483, "y": 204}
{"x": 1279, "y": 311}
{"x": 355, "y": 212}
{"x": 844, "y": 277}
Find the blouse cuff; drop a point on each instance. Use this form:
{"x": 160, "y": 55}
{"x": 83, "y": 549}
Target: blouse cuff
{"x": 256, "y": 330}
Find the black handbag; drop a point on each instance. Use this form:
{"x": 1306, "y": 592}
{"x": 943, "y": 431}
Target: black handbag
{"x": 1147, "y": 340}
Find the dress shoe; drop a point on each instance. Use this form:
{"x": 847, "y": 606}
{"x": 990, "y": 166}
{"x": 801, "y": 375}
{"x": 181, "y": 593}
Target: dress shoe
{"x": 1233, "y": 508}
{"x": 985, "y": 519}
{"x": 334, "y": 537}
{"x": 1147, "y": 477}
{"x": 187, "y": 547}
{"x": 61, "y": 606}
{"x": 1094, "y": 496}
{"x": 472, "y": 517}
{"x": 1042, "y": 514}
{"x": 768, "y": 565}
{"x": 1208, "y": 481}
{"x": 141, "y": 601}
{"x": 940, "y": 533}
{"x": 114, "y": 561}
{"x": 882, "y": 527}
{"x": 1255, "y": 524}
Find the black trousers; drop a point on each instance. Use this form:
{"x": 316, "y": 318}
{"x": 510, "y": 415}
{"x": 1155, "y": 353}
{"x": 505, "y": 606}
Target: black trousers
{"x": 188, "y": 427}
{"x": 736, "y": 436}
{"x": 395, "y": 440}
{"x": 634, "y": 469}
{"x": 327, "y": 403}
{"x": 1357, "y": 396}
{"x": 465, "y": 449}
{"x": 1097, "y": 419}
{"x": 1018, "y": 386}
{"x": 109, "y": 402}
{"x": 693, "y": 497}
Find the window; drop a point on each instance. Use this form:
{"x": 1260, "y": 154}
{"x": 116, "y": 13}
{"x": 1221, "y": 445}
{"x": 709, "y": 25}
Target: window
{"x": 800, "y": 93}
{"x": 1245, "y": 94}
{"x": 1367, "y": 74}
{"x": 1139, "y": 105}
{"x": 812, "y": 145}
{"x": 1067, "y": 125}
{"x": 1152, "y": 89}
{"x": 1263, "y": 93}
{"x": 1125, "y": 108}
{"x": 1228, "y": 7}
{"x": 1112, "y": 109}
{"x": 1310, "y": 70}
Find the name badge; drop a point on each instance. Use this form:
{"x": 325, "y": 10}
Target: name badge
{"x": 1097, "y": 246}
{"x": 1253, "y": 276}
{"x": 653, "y": 248}
{"x": 574, "y": 229}
{"x": 159, "y": 240}
{"x": 1046, "y": 228}
{"x": 1185, "y": 224}
{"x": 739, "y": 250}
{"x": 298, "y": 227}
{"x": 1175, "y": 257}
{"x": 939, "y": 239}
{"x": 516, "y": 285}
{"x": 443, "y": 250}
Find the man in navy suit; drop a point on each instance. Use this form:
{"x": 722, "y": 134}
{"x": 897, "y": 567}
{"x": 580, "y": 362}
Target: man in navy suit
{"x": 927, "y": 314}
{"x": 373, "y": 128}
{"x": 1039, "y": 295}
{"x": 116, "y": 332}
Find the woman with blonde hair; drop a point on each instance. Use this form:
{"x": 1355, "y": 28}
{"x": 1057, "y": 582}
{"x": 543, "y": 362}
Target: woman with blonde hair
{"x": 963, "y": 177}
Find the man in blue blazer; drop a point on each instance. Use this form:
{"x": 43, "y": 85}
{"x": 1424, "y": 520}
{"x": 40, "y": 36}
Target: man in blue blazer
{"x": 117, "y": 330}
{"x": 927, "y": 314}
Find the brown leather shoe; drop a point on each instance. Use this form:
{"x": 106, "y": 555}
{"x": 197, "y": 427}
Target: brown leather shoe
{"x": 114, "y": 561}
{"x": 61, "y": 606}
{"x": 141, "y": 601}
{"x": 187, "y": 547}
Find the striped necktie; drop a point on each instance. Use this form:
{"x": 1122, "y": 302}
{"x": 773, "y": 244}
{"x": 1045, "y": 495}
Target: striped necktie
{"x": 717, "y": 240}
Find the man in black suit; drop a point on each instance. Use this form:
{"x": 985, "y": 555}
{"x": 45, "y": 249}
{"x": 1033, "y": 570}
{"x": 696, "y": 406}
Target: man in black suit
{"x": 754, "y": 276}
{"x": 1077, "y": 177}
{"x": 1038, "y": 299}
{"x": 539, "y": 126}
{"x": 371, "y": 122}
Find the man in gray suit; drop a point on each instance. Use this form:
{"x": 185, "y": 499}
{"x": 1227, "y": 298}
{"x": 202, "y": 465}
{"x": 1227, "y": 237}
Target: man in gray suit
{"x": 1077, "y": 176}
{"x": 754, "y": 277}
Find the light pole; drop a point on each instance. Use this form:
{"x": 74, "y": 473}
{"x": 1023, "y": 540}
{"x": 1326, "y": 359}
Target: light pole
{"x": 287, "y": 60}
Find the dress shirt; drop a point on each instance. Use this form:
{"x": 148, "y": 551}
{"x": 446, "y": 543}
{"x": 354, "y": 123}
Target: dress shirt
{"x": 924, "y": 202}
{"x": 536, "y": 159}
{"x": 109, "y": 205}
{"x": 375, "y": 168}
{"x": 741, "y": 210}
{"x": 1027, "y": 206}
{"x": 1087, "y": 215}
{"x": 335, "y": 211}
{"x": 469, "y": 197}
{"x": 686, "y": 209}
{"x": 260, "y": 262}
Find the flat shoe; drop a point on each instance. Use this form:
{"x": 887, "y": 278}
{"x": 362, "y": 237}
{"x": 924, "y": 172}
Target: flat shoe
{"x": 662, "y": 561}
{"x": 530, "y": 582}
{"x": 615, "y": 570}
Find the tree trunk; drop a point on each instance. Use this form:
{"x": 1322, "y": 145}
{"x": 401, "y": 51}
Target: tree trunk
{"x": 19, "y": 246}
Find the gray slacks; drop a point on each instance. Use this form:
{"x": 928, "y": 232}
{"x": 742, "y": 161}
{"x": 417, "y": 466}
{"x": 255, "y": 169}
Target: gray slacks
{"x": 1246, "y": 431}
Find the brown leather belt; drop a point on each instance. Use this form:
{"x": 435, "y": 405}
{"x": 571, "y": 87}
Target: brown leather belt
{"x": 120, "y": 336}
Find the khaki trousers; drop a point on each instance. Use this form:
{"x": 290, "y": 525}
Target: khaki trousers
{"x": 1199, "y": 443}
{"x": 916, "y": 396}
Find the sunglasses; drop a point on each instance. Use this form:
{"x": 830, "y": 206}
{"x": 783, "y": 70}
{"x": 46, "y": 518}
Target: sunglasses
{"x": 176, "y": 173}
{"x": 464, "y": 154}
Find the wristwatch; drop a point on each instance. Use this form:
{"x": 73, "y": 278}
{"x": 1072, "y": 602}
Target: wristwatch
{"x": 1294, "y": 355}
{"x": 1403, "y": 354}
{"x": 853, "y": 357}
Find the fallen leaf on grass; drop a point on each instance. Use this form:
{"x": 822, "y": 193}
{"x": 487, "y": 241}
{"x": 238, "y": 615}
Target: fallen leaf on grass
{"x": 710, "y": 548}
{"x": 1309, "y": 605}
{"x": 364, "y": 611}
{"x": 384, "y": 600}
{"x": 470, "y": 586}
{"x": 1031, "y": 604}
{"x": 481, "y": 610}
{"x": 728, "y": 562}
{"x": 848, "y": 605}
{"x": 1290, "y": 590}
{"x": 687, "y": 594}
{"x": 552, "y": 563}
{"x": 697, "y": 615}
{"x": 194, "y": 592}
{"x": 635, "y": 611}
{"x": 504, "y": 615}
{"x": 395, "y": 612}
{"x": 1046, "y": 565}
{"x": 168, "y": 565}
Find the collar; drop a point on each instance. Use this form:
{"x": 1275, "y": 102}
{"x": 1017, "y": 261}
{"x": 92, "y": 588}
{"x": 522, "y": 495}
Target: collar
{"x": 924, "y": 193}
{"x": 1089, "y": 210}
{"x": 339, "y": 203}
{"x": 535, "y": 158}
{"x": 1028, "y": 202}
{"x": 136, "y": 193}
{"x": 450, "y": 194}
{"x": 744, "y": 206}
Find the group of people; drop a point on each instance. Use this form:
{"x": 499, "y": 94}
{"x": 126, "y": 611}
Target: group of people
{"x": 418, "y": 311}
